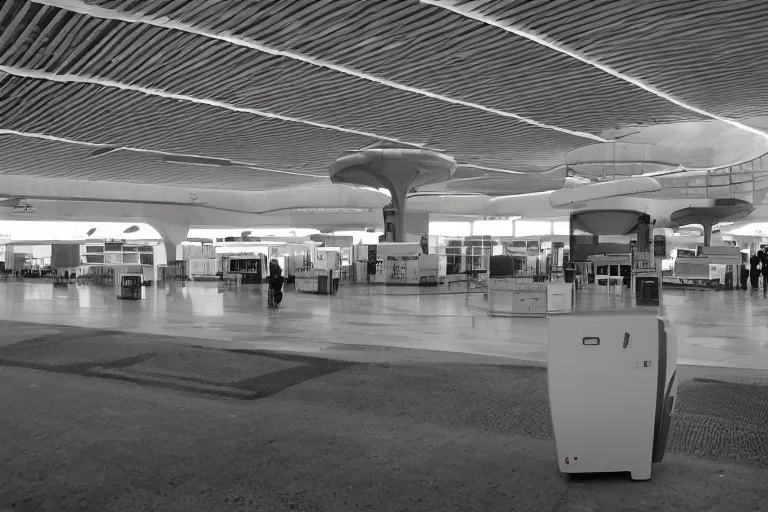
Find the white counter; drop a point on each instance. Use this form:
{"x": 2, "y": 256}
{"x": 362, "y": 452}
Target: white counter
{"x": 521, "y": 296}
{"x": 559, "y": 297}
{"x": 315, "y": 281}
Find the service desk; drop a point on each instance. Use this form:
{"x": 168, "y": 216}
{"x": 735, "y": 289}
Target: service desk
{"x": 522, "y": 295}
{"x": 559, "y": 297}
{"x": 319, "y": 281}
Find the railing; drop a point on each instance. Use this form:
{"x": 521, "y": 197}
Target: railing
{"x": 746, "y": 181}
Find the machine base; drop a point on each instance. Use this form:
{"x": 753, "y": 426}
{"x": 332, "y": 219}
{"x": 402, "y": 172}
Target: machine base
{"x": 636, "y": 476}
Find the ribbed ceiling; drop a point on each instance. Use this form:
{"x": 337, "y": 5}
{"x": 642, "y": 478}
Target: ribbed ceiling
{"x": 289, "y": 86}
{"x": 45, "y": 159}
{"x": 710, "y": 53}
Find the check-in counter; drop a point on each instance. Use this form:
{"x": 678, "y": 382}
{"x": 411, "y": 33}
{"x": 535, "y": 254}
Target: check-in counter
{"x": 716, "y": 265}
{"x": 521, "y": 295}
{"x": 693, "y": 268}
{"x": 429, "y": 270}
{"x": 319, "y": 281}
{"x": 559, "y": 297}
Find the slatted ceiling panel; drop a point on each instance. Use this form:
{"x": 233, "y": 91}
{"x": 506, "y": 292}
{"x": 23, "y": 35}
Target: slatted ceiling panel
{"x": 496, "y": 67}
{"x": 431, "y": 48}
{"x": 46, "y": 159}
{"x": 108, "y": 116}
{"x": 710, "y": 53}
{"x": 256, "y": 80}
{"x": 403, "y": 40}
{"x": 91, "y": 113}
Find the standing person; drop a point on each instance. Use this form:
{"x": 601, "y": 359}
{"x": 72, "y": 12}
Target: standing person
{"x": 744, "y": 275}
{"x": 764, "y": 271}
{"x": 275, "y": 294}
{"x": 754, "y": 261}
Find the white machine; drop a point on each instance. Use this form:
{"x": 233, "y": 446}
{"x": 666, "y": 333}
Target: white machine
{"x": 612, "y": 383}
{"x": 612, "y": 387}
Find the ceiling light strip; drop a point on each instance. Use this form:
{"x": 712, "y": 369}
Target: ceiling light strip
{"x": 81, "y": 7}
{"x": 452, "y": 6}
{"x": 53, "y": 138}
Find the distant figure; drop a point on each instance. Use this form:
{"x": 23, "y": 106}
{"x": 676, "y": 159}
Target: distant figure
{"x": 765, "y": 273}
{"x": 275, "y": 294}
{"x": 754, "y": 261}
{"x": 626, "y": 275}
{"x": 744, "y": 275}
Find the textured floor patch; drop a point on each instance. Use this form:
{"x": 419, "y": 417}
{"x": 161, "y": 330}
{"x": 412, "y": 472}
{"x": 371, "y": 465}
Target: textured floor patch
{"x": 500, "y": 400}
{"x": 723, "y": 421}
{"x": 215, "y": 367}
{"x": 108, "y": 355}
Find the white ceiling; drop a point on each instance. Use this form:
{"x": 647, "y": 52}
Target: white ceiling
{"x": 280, "y": 89}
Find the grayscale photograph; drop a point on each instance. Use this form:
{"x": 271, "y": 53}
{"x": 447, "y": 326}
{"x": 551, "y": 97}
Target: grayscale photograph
{"x": 383, "y": 255}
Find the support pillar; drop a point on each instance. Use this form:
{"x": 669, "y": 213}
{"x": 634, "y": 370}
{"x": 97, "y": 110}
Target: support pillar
{"x": 173, "y": 251}
{"x": 173, "y": 234}
{"x": 394, "y": 213}
{"x": 707, "y": 234}
{"x": 398, "y": 201}
{"x": 394, "y": 217}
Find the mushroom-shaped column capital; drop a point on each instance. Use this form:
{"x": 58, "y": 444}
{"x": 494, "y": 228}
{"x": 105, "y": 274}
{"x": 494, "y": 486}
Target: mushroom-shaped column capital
{"x": 396, "y": 169}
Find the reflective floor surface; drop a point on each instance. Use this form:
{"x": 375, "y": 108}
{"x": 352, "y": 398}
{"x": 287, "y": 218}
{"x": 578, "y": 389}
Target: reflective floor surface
{"x": 714, "y": 328}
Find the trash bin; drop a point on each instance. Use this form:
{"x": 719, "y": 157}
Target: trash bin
{"x": 612, "y": 388}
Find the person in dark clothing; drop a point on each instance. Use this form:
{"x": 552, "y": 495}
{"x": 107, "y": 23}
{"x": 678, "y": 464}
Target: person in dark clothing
{"x": 275, "y": 294}
{"x": 744, "y": 276}
{"x": 626, "y": 275}
{"x": 764, "y": 271}
{"x": 754, "y": 261}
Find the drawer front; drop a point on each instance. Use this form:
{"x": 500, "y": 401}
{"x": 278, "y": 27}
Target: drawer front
{"x": 530, "y": 302}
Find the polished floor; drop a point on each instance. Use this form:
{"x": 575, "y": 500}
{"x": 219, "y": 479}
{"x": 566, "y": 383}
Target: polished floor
{"x": 726, "y": 329}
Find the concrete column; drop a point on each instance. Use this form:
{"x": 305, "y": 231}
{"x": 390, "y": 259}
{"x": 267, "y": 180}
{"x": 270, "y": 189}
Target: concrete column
{"x": 398, "y": 189}
{"x": 173, "y": 251}
{"x": 707, "y": 234}
{"x": 173, "y": 234}
{"x": 644, "y": 237}
{"x": 398, "y": 203}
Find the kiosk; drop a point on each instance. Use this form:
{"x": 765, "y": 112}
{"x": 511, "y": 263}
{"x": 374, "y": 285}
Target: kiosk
{"x": 611, "y": 368}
